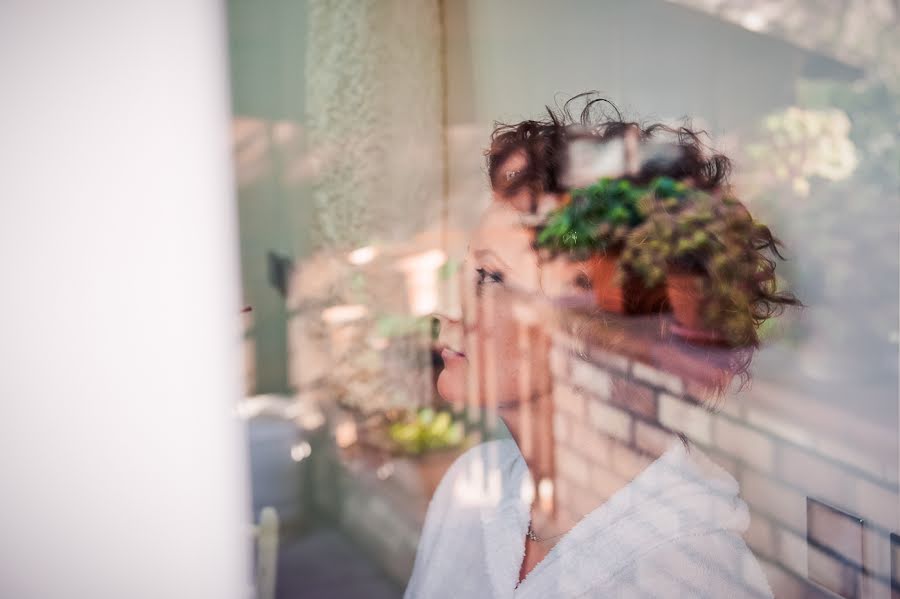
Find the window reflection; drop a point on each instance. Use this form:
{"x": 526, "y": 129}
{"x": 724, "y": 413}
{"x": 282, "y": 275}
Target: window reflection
{"x": 560, "y": 411}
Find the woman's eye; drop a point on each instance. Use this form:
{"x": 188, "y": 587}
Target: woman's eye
{"x": 488, "y": 276}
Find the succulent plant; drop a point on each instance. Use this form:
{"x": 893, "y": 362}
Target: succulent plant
{"x": 716, "y": 238}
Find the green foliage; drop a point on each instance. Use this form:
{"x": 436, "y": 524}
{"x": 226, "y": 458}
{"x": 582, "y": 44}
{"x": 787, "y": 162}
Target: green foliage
{"x": 599, "y": 218}
{"x": 669, "y": 190}
{"x": 669, "y": 225}
{"x": 569, "y": 230}
{"x": 715, "y": 238}
{"x": 427, "y": 430}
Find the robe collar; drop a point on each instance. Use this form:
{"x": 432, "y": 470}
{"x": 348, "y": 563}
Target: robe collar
{"x": 681, "y": 493}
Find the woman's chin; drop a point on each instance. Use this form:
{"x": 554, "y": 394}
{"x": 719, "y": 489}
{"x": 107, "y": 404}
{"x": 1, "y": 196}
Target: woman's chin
{"x": 451, "y": 386}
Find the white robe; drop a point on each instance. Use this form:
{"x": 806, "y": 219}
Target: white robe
{"x": 674, "y": 531}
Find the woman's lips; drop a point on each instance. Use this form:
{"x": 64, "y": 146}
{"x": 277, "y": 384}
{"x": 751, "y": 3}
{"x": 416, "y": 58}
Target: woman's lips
{"x": 451, "y": 354}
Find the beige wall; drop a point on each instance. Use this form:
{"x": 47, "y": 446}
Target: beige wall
{"x": 507, "y": 59}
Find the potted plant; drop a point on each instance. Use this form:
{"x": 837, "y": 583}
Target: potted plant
{"x": 432, "y": 439}
{"x": 565, "y": 241}
{"x": 593, "y": 226}
{"x": 707, "y": 250}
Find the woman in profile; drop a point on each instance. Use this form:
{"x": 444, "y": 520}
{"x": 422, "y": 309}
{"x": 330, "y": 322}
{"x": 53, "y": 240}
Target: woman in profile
{"x": 675, "y": 529}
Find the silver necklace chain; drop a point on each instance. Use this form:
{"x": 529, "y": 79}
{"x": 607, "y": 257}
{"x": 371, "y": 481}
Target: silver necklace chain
{"x": 533, "y": 535}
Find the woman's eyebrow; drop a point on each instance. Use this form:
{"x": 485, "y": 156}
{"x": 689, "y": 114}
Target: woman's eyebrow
{"x": 482, "y": 253}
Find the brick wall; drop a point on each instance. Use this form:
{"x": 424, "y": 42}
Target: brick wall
{"x": 821, "y": 486}
{"x": 822, "y": 509}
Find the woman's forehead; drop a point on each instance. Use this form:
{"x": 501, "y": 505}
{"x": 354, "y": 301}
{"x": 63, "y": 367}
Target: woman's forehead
{"x": 500, "y": 233}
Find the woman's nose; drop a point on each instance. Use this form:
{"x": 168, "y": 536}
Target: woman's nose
{"x": 447, "y": 331}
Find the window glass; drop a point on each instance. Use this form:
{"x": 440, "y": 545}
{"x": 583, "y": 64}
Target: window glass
{"x": 570, "y": 299}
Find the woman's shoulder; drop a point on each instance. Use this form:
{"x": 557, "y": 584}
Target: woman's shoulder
{"x": 475, "y": 465}
{"x": 496, "y": 452}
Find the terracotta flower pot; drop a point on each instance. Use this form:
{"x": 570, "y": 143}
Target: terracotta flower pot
{"x": 628, "y": 296}
{"x": 685, "y": 294}
{"x": 685, "y": 291}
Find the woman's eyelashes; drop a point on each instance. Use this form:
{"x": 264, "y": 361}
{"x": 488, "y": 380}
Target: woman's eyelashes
{"x": 485, "y": 276}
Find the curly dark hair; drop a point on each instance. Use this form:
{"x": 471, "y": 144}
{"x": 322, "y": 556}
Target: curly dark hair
{"x": 543, "y": 143}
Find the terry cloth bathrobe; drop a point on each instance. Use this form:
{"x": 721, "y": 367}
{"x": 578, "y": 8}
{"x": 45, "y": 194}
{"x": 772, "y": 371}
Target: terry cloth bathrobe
{"x": 674, "y": 531}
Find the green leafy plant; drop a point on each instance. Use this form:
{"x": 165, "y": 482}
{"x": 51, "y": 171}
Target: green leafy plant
{"x": 600, "y": 217}
{"x": 427, "y": 430}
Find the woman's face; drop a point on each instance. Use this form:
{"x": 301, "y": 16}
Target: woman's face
{"x": 501, "y": 269}
{"x": 500, "y": 263}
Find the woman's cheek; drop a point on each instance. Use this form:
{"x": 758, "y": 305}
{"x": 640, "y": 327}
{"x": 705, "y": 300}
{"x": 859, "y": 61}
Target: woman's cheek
{"x": 508, "y": 367}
